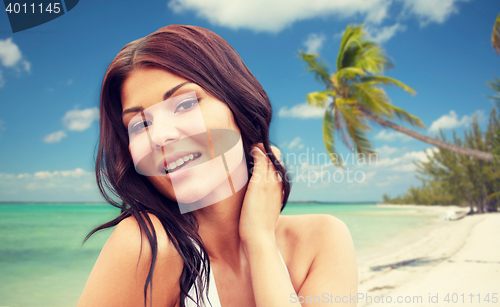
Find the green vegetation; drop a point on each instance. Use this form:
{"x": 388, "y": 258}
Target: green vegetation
{"x": 353, "y": 97}
{"x": 495, "y": 86}
{"x": 449, "y": 178}
{"x": 452, "y": 179}
{"x": 495, "y": 36}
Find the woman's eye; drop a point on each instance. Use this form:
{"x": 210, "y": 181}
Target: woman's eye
{"x": 139, "y": 125}
{"x": 186, "y": 104}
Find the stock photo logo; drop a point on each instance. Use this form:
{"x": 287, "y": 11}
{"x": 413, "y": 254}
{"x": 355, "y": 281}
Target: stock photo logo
{"x": 24, "y": 15}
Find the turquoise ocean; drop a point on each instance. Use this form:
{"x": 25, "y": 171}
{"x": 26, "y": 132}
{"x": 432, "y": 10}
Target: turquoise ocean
{"x": 43, "y": 262}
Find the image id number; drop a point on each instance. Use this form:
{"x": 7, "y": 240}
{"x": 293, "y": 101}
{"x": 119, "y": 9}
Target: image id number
{"x": 25, "y": 8}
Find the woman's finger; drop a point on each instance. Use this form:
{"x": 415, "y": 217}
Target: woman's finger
{"x": 263, "y": 165}
{"x": 260, "y": 166}
{"x": 276, "y": 152}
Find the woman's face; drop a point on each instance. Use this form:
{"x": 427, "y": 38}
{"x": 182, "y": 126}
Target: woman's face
{"x": 184, "y": 140}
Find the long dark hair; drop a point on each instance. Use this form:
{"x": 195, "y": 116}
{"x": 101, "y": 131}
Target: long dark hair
{"x": 204, "y": 58}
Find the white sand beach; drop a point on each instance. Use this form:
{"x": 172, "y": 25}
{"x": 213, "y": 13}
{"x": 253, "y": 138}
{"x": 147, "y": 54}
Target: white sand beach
{"x": 450, "y": 263}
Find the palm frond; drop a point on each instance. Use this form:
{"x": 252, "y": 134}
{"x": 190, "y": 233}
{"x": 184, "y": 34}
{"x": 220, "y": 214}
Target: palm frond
{"x": 339, "y": 126}
{"x": 329, "y": 136}
{"x": 370, "y": 96}
{"x": 388, "y": 82}
{"x": 495, "y": 86}
{"x": 493, "y": 195}
{"x": 495, "y": 36}
{"x": 351, "y": 36}
{"x": 372, "y": 59}
{"x": 316, "y": 66}
{"x": 349, "y": 73}
{"x": 354, "y": 124}
{"x": 319, "y": 99}
{"x": 403, "y": 115}
{"x": 357, "y": 50}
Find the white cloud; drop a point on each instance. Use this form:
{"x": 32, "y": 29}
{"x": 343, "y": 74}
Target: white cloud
{"x": 26, "y": 65}
{"x": 377, "y": 14}
{"x": 54, "y": 184}
{"x": 405, "y": 163}
{"x": 12, "y": 58}
{"x": 339, "y": 35}
{"x": 408, "y": 167}
{"x": 383, "y": 184}
{"x": 392, "y": 136}
{"x": 303, "y": 110}
{"x": 420, "y": 155}
{"x": 54, "y": 137}
{"x": 451, "y": 121}
{"x": 80, "y": 120}
{"x": 74, "y": 120}
{"x": 274, "y": 16}
{"x": 314, "y": 42}
{"x": 10, "y": 55}
{"x": 76, "y": 173}
{"x": 370, "y": 175}
{"x": 428, "y": 11}
{"x": 296, "y": 144}
{"x": 448, "y": 121}
{"x": 386, "y": 150}
{"x": 305, "y": 167}
{"x": 388, "y": 161}
{"x": 382, "y": 35}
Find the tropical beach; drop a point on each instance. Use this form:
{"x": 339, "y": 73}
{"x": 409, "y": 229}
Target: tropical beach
{"x": 453, "y": 263}
{"x": 385, "y": 115}
{"x": 419, "y": 251}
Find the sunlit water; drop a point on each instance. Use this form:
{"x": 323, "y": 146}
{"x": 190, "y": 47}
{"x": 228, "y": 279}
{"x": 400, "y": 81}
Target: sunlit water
{"x": 43, "y": 262}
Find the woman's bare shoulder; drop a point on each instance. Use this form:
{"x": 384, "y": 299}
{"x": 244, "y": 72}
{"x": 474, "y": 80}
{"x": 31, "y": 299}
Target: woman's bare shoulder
{"x": 307, "y": 236}
{"x": 120, "y": 272}
{"x": 310, "y": 227}
{"x": 318, "y": 246}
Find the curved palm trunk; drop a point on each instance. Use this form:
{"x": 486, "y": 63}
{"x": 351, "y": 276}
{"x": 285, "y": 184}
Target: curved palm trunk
{"x": 487, "y": 156}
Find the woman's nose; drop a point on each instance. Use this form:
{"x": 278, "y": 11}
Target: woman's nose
{"x": 163, "y": 133}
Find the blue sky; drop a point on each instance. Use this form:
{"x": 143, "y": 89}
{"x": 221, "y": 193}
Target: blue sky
{"x": 50, "y": 80}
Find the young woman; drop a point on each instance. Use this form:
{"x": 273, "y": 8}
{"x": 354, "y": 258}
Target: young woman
{"x": 235, "y": 250}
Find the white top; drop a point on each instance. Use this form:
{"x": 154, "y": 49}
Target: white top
{"x": 213, "y": 295}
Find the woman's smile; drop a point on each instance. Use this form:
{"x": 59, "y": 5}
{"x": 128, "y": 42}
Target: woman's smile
{"x": 179, "y": 163}
{"x": 181, "y": 166}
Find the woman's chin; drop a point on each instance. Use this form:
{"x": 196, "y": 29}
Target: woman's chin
{"x": 188, "y": 198}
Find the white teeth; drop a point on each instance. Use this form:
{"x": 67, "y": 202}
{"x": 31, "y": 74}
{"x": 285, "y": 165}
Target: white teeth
{"x": 181, "y": 161}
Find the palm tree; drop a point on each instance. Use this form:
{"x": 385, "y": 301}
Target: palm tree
{"x": 353, "y": 97}
{"x": 495, "y": 86}
{"x": 495, "y": 36}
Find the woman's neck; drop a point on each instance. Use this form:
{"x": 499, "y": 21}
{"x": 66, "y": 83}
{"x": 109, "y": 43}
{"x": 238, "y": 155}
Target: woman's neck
{"x": 219, "y": 228}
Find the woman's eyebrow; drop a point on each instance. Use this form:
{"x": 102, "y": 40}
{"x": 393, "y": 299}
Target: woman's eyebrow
{"x": 169, "y": 93}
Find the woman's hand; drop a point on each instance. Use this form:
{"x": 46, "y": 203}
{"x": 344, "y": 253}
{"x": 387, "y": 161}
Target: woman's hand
{"x": 263, "y": 198}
